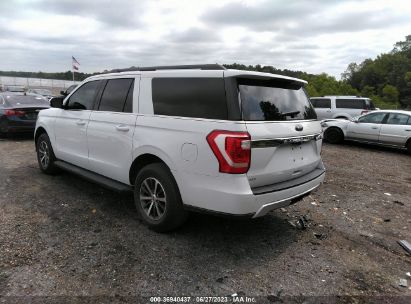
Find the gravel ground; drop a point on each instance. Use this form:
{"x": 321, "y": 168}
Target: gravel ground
{"x": 62, "y": 236}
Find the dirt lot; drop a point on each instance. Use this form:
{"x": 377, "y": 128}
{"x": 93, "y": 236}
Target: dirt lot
{"x": 62, "y": 236}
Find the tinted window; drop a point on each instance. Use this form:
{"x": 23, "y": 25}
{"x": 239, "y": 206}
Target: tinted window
{"x": 350, "y": 103}
{"x": 372, "y": 118}
{"x": 397, "y": 119}
{"x": 114, "y": 95}
{"x": 274, "y": 101}
{"x": 83, "y": 98}
{"x": 190, "y": 97}
{"x": 321, "y": 103}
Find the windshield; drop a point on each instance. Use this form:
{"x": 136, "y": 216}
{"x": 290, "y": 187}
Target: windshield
{"x": 274, "y": 100}
{"x": 25, "y": 100}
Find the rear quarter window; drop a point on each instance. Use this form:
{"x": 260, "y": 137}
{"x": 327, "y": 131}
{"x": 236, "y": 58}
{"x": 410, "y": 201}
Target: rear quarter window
{"x": 321, "y": 103}
{"x": 190, "y": 97}
{"x": 350, "y": 103}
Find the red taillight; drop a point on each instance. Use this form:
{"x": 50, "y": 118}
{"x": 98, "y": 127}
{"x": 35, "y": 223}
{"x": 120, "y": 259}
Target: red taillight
{"x": 232, "y": 149}
{"x": 14, "y": 113}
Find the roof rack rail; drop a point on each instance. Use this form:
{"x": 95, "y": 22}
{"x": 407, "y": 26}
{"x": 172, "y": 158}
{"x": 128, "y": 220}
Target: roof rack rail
{"x": 213, "y": 66}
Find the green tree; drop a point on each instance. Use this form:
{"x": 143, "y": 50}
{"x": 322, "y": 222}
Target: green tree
{"x": 390, "y": 94}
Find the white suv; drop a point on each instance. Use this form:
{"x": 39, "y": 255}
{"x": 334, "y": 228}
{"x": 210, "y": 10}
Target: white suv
{"x": 187, "y": 138}
{"x": 341, "y": 107}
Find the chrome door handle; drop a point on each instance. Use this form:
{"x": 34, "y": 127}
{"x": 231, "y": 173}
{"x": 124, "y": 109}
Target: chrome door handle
{"x": 122, "y": 128}
{"x": 80, "y": 122}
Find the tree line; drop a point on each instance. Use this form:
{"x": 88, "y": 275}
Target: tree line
{"x": 385, "y": 79}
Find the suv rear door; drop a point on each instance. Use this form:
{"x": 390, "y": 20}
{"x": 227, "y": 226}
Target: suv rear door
{"x": 284, "y": 131}
{"x": 111, "y": 128}
{"x": 322, "y": 107}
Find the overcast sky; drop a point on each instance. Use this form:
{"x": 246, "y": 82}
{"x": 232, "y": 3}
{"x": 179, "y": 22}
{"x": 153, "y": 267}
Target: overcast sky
{"x": 314, "y": 36}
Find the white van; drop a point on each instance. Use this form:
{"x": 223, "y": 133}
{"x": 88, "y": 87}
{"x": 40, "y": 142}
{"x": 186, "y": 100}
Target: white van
{"x": 341, "y": 107}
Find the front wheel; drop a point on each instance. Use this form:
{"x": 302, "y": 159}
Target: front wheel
{"x": 157, "y": 198}
{"x": 45, "y": 154}
{"x": 333, "y": 135}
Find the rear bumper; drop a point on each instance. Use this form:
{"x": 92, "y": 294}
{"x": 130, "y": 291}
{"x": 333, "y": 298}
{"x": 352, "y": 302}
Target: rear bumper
{"x": 19, "y": 126}
{"x": 232, "y": 195}
{"x": 289, "y": 196}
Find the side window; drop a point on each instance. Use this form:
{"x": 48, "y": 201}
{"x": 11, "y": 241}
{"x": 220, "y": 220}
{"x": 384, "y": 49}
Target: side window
{"x": 321, "y": 103}
{"x": 190, "y": 97}
{"x": 372, "y": 118}
{"x": 350, "y": 103}
{"x": 397, "y": 119}
{"x": 115, "y": 95}
{"x": 83, "y": 98}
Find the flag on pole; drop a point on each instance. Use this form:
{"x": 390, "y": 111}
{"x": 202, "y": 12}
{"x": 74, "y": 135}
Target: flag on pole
{"x": 75, "y": 63}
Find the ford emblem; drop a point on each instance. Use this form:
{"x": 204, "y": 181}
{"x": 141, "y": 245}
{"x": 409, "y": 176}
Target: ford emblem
{"x": 299, "y": 127}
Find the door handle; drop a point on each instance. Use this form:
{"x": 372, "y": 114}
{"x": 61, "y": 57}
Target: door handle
{"x": 80, "y": 122}
{"x": 374, "y": 128}
{"x": 122, "y": 128}
{"x": 408, "y": 130}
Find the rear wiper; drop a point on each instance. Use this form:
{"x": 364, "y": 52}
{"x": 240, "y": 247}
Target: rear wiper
{"x": 290, "y": 113}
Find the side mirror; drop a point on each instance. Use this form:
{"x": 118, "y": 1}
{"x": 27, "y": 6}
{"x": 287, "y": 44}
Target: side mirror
{"x": 57, "y": 102}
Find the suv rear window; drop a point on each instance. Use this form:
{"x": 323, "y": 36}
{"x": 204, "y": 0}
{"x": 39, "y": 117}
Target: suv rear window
{"x": 190, "y": 97}
{"x": 274, "y": 100}
{"x": 321, "y": 103}
{"x": 350, "y": 103}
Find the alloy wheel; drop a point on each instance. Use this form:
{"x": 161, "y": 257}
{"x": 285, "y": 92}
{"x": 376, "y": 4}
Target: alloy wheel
{"x": 153, "y": 198}
{"x": 44, "y": 154}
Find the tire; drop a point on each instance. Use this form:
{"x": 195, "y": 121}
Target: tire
{"x": 158, "y": 199}
{"x": 3, "y": 129}
{"x": 334, "y": 135}
{"x": 409, "y": 146}
{"x": 45, "y": 154}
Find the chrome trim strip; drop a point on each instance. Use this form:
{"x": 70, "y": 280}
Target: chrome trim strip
{"x": 275, "y": 142}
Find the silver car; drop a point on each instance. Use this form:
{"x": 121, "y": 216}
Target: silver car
{"x": 385, "y": 127}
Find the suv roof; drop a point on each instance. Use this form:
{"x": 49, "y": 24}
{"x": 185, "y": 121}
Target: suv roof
{"x": 342, "y": 96}
{"x": 203, "y": 68}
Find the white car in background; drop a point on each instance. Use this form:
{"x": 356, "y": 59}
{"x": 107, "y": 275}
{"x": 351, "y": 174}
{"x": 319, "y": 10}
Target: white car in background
{"x": 341, "y": 107}
{"x": 385, "y": 127}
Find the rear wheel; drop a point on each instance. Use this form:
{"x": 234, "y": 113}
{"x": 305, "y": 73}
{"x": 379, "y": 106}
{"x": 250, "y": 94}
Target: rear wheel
{"x": 45, "y": 154}
{"x": 3, "y": 129}
{"x": 157, "y": 198}
{"x": 409, "y": 146}
{"x": 334, "y": 135}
